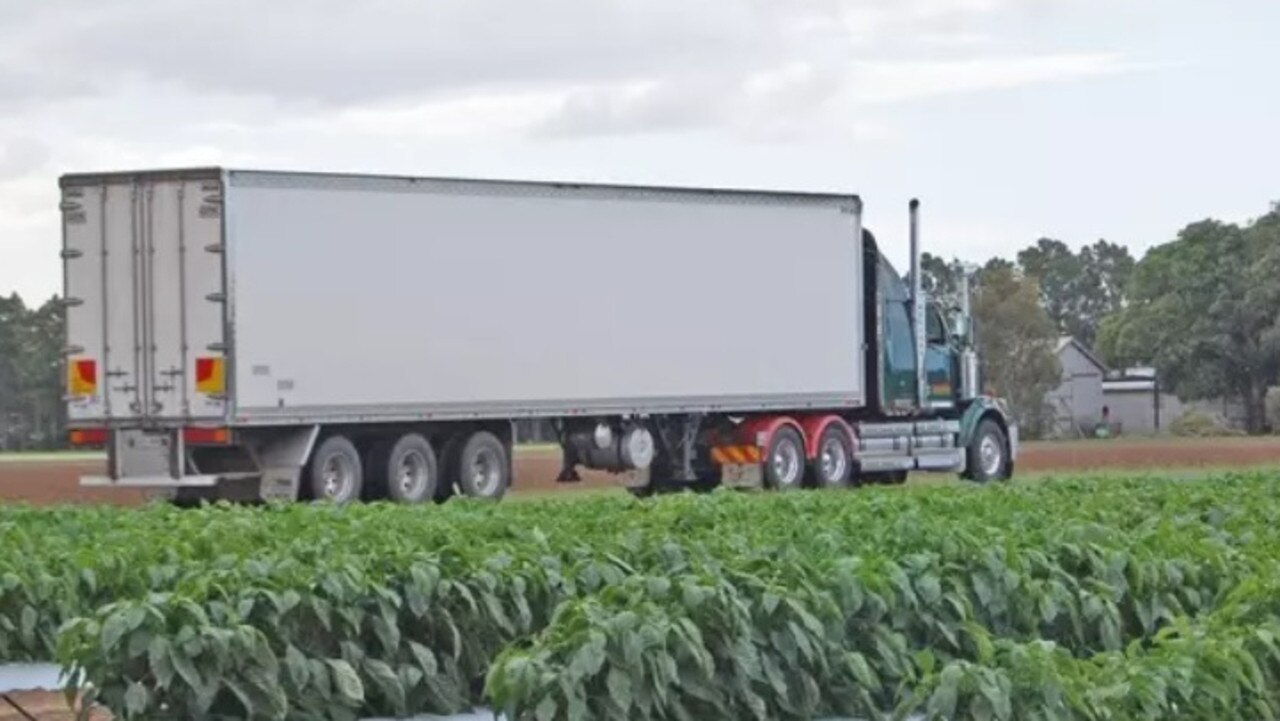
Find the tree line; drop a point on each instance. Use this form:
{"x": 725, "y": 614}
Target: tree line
{"x": 1203, "y": 309}
{"x": 31, "y": 378}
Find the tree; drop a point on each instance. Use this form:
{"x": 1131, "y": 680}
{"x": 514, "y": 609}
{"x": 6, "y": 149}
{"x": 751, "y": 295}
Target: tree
{"x": 31, "y": 379}
{"x": 1204, "y": 309}
{"x": 42, "y": 374}
{"x": 940, "y": 278}
{"x": 1015, "y": 340}
{"x": 1078, "y": 290}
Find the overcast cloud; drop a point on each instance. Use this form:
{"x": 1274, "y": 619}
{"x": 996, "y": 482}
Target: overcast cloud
{"x": 1011, "y": 118}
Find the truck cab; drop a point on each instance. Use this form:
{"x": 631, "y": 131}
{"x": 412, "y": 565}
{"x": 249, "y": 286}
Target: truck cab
{"x": 927, "y": 374}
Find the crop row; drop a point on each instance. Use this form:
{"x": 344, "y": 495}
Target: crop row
{"x": 1081, "y": 599}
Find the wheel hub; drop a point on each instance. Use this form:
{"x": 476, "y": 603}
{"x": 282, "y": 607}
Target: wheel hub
{"x": 412, "y": 473}
{"x": 834, "y": 460}
{"x": 990, "y": 456}
{"x": 336, "y": 478}
{"x": 485, "y": 472}
{"x": 786, "y": 464}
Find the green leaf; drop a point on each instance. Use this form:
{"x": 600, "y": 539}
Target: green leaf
{"x": 546, "y": 709}
{"x": 862, "y": 671}
{"x": 930, "y": 589}
{"x": 388, "y": 633}
{"x": 185, "y": 668}
{"x": 158, "y": 658}
{"x": 771, "y": 601}
{"x": 942, "y": 703}
{"x": 619, "y": 684}
{"x": 997, "y": 697}
{"x": 297, "y": 666}
{"x": 346, "y": 681}
{"x": 926, "y": 661}
{"x": 494, "y": 607}
{"x": 113, "y": 629}
{"x": 251, "y": 710}
{"x": 388, "y": 683}
{"x": 136, "y": 699}
{"x": 29, "y": 621}
{"x": 426, "y": 660}
{"x": 319, "y": 675}
{"x": 416, "y": 595}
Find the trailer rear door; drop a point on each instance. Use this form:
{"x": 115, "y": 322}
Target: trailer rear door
{"x": 145, "y": 292}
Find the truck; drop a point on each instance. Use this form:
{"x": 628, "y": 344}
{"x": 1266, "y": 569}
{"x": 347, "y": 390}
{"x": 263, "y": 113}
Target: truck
{"x": 255, "y": 335}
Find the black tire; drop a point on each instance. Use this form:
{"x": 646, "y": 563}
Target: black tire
{"x": 406, "y": 471}
{"x": 832, "y": 467}
{"x": 988, "y": 453}
{"x": 484, "y": 471}
{"x": 784, "y": 462}
{"x": 335, "y": 474}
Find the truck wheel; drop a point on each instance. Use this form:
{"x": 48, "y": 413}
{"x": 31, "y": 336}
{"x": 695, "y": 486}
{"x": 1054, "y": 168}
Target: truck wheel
{"x": 483, "y": 468}
{"x": 409, "y": 471}
{"x": 335, "y": 474}
{"x": 833, "y": 466}
{"x": 988, "y": 453}
{"x": 784, "y": 460}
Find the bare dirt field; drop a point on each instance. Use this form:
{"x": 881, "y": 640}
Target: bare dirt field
{"x": 48, "y": 481}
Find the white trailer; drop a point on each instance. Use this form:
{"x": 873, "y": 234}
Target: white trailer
{"x": 266, "y": 334}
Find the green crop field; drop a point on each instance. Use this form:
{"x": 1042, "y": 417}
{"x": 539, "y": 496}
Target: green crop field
{"x": 1108, "y": 598}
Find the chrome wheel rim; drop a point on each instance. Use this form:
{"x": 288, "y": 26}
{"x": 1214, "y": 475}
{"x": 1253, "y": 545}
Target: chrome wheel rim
{"x": 834, "y": 460}
{"x": 990, "y": 456}
{"x": 337, "y": 477}
{"x": 413, "y": 474}
{"x": 486, "y": 472}
{"x": 786, "y": 464}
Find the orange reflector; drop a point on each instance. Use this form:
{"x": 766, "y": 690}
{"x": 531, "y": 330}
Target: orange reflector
{"x": 82, "y": 376}
{"x": 211, "y": 376}
{"x": 206, "y": 436}
{"x": 88, "y": 437}
{"x": 735, "y": 455}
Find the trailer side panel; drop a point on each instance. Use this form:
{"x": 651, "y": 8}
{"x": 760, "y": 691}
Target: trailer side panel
{"x": 371, "y": 298}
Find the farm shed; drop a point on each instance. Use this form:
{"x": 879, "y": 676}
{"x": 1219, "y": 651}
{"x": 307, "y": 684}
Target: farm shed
{"x": 1077, "y": 402}
{"x": 1138, "y": 406}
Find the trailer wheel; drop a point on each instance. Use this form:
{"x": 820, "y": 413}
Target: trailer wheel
{"x": 833, "y": 466}
{"x": 484, "y": 470}
{"x": 784, "y": 460}
{"x": 408, "y": 471}
{"x": 335, "y": 474}
{"x": 988, "y": 456}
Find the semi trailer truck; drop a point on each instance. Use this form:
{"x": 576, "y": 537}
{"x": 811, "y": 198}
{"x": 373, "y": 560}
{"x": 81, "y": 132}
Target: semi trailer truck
{"x": 244, "y": 335}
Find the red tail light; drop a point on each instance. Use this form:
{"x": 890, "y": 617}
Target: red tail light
{"x": 88, "y": 437}
{"x": 206, "y": 436}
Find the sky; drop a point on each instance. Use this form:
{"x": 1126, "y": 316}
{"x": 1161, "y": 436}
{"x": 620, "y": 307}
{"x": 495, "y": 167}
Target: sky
{"x": 1010, "y": 119}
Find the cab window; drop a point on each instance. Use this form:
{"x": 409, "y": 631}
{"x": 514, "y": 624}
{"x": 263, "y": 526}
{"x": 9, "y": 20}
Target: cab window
{"x": 901, "y": 348}
{"x": 935, "y": 328}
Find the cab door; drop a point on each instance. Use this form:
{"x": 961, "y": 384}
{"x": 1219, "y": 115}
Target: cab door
{"x": 939, "y": 361}
{"x": 898, "y": 389}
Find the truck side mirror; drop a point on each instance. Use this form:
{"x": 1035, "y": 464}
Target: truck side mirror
{"x": 959, "y": 324}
